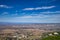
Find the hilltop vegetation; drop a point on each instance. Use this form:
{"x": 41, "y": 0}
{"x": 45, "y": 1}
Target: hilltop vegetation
{"x": 52, "y": 36}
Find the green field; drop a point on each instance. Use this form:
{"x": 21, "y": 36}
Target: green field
{"x": 53, "y": 37}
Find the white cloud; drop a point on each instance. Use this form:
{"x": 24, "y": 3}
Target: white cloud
{"x": 28, "y": 9}
{"x": 45, "y": 12}
{"x": 37, "y": 19}
{"x": 5, "y": 13}
{"x": 15, "y": 14}
{"x": 41, "y": 15}
{"x": 38, "y": 15}
{"x": 39, "y": 8}
{"x": 5, "y": 6}
{"x": 48, "y": 7}
{"x": 25, "y": 17}
{"x": 51, "y": 12}
{"x": 30, "y": 16}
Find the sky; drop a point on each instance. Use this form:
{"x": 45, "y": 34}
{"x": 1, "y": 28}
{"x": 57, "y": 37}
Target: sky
{"x": 30, "y": 11}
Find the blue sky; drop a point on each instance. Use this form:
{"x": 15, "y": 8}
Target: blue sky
{"x": 30, "y": 11}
